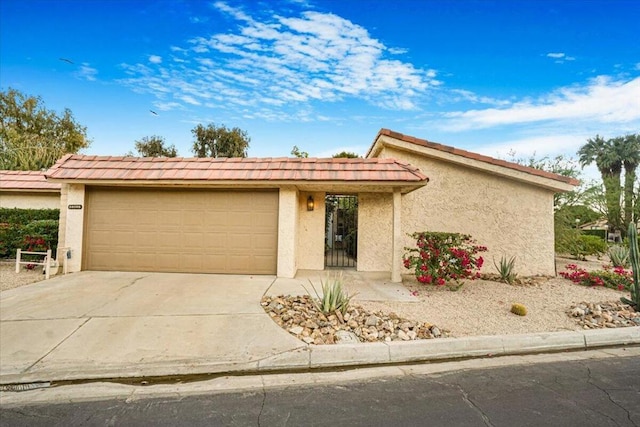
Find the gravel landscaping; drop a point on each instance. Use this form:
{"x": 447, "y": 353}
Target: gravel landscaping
{"x": 9, "y": 279}
{"x": 480, "y": 307}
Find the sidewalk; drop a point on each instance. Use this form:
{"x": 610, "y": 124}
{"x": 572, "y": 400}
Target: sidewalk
{"x": 101, "y": 325}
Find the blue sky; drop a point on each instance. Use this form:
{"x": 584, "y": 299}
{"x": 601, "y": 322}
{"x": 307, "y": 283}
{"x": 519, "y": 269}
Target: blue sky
{"x": 487, "y": 76}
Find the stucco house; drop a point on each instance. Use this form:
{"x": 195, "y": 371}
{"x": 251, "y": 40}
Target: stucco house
{"x": 271, "y": 215}
{"x": 28, "y": 190}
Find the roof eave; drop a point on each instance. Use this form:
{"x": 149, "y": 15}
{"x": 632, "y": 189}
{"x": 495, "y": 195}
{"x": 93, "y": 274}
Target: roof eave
{"x": 384, "y": 139}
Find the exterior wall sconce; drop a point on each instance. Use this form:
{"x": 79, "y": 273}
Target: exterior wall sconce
{"x": 310, "y": 203}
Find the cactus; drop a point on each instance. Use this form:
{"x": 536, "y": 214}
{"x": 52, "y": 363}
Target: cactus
{"x": 634, "y": 261}
{"x": 519, "y": 309}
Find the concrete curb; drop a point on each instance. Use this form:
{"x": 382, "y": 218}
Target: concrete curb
{"x": 312, "y": 357}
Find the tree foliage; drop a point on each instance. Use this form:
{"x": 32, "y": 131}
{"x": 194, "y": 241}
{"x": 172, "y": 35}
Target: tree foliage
{"x": 155, "y": 146}
{"x": 346, "y": 155}
{"x": 33, "y": 137}
{"x": 611, "y": 157}
{"x": 295, "y": 151}
{"x": 219, "y": 141}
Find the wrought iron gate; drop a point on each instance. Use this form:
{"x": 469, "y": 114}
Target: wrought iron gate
{"x": 341, "y": 231}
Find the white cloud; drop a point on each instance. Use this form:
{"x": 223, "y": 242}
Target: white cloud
{"x": 560, "y": 57}
{"x": 637, "y": 67}
{"x": 87, "y": 72}
{"x": 155, "y": 59}
{"x": 284, "y": 60}
{"x": 602, "y": 100}
{"x": 467, "y": 95}
{"x": 397, "y": 50}
{"x": 541, "y": 145}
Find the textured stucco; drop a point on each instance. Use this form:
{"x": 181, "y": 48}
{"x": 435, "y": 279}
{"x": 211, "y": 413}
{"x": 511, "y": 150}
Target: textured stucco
{"x": 74, "y": 226}
{"x": 33, "y": 200}
{"x": 375, "y": 231}
{"x": 511, "y": 218}
{"x": 287, "y": 232}
{"x": 311, "y": 232}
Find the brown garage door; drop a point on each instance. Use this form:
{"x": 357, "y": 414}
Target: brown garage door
{"x": 193, "y": 231}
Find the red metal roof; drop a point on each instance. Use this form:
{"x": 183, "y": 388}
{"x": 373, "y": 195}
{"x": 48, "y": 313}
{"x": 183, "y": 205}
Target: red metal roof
{"x": 474, "y": 156}
{"x": 106, "y": 168}
{"x": 26, "y": 181}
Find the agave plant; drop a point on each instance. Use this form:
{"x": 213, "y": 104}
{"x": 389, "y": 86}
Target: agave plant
{"x": 334, "y": 297}
{"x": 619, "y": 256}
{"x": 506, "y": 268}
{"x": 634, "y": 259}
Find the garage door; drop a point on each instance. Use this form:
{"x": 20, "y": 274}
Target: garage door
{"x": 189, "y": 231}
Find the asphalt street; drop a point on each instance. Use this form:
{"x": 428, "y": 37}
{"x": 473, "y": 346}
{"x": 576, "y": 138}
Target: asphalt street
{"x": 591, "y": 392}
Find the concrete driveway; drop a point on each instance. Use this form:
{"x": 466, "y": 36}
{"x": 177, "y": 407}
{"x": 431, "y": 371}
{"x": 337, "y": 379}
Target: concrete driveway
{"x": 114, "y": 324}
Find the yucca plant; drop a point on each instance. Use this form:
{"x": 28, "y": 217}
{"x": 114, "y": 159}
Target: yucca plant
{"x": 619, "y": 256}
{"x": 506, "y": 268}
{"x": 334, "y": 298}
{"x": 634, "y": 259}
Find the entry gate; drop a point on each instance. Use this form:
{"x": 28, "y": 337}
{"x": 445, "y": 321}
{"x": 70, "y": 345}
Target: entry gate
{"x": 341, "y": 231}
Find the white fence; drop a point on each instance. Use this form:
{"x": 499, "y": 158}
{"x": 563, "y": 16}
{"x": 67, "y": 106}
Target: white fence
{"x": 46, "y": 263}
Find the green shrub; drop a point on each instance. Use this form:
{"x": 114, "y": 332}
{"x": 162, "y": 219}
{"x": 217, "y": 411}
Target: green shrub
{"x": 593, "y": 245}
{"x": 16, "y": 225}
{"x": 599, "y": 233}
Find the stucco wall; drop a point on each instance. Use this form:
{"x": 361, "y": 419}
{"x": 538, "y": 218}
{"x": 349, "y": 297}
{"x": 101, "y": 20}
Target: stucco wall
{"x": 310, "y": 248}
{"x": 509, "y": 217}
{"x": 375, "y": 231}
{"x": 74, "y": 225}
{"x": 29, "y": 200}
{"x": 287, "y": 232}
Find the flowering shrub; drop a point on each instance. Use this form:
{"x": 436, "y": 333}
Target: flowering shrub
{"x": 441, "y": 257}
{"x": 619, "y": 279}
{"x": 34, "y": 244}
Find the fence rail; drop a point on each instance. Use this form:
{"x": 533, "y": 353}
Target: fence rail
{"x": 46, "y": 263}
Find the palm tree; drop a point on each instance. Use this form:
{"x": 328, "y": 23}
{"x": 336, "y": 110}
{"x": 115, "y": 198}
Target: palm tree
{"x": 606, "y": 155}
{"x": 629, "y": 150}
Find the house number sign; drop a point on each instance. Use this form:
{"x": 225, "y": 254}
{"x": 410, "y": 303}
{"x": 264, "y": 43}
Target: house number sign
{"x": 75, "y": 206}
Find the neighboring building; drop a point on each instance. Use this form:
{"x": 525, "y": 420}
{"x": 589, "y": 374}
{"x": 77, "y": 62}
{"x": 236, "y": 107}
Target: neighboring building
{"x": 28, "y": 190}
{"x": 269, "y": 216}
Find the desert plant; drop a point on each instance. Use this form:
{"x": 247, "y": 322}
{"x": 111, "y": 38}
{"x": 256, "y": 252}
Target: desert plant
{"x": 634, "y": 259}
{"x": 619, "y": 279}
{"x": 441, "y": 257}
{"x": 506, "y": 268}
{"x": 619, "y": 256}
{"x": 334, "y": 298}
{"x": 519, "y": 309}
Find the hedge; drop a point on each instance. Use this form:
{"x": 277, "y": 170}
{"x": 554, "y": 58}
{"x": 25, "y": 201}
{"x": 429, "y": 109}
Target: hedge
{"x": 20, "y": 228}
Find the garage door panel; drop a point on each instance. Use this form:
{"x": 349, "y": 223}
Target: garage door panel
{"x": 181, "y": 230}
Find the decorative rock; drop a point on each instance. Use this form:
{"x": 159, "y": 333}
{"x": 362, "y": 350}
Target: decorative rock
{"x": 372, "y": 321}
{"x": 346, "y": 337}
{"x": 403, "y": 335}
{"x": 296, "y": 330}
{"x": 299, "y": 316}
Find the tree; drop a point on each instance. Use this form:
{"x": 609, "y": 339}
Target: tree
{"x": 629, "y": 151}
{"x": 295, "y": 151}
{"x": 346, "y": 155}
{"x": 606, "y": 155}
{"x": 219, "y": 141}
{"x": 154, "y": 146}
{"x": 32, "y": 137}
